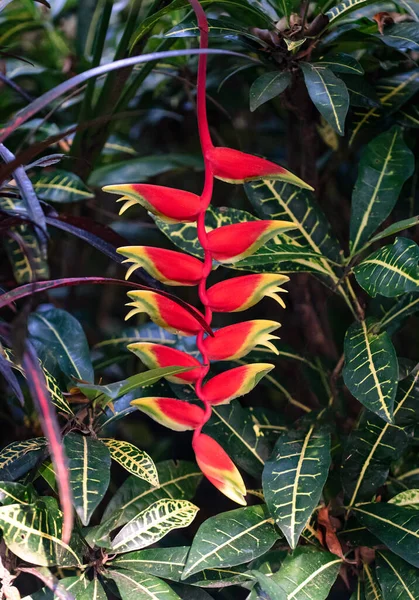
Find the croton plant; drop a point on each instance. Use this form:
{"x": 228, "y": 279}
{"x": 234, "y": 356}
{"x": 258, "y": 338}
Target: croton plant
{"x": 226, "y": 463}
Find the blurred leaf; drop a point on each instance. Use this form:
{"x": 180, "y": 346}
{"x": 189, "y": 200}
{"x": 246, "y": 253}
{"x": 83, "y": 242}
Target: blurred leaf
{"x": 176, "y": 480}
{"x": 94, "y": 591}
{"x": 228, "y": 29}
{"x": 268, "y": 86}
{"x": 371, "y": 586}
{"x": 269, "y": 586}
{"x": 89, "y": 464}
{"x": 361, "y": 92}
{"x": 231, "y": 538}
{"x": 59, "y": 338}
{"x": 344, "y": 7}
{"x": 391, "y": 270}
{"x": 16, "y": 493}
{"x": 403, "y": 36}
{"x": 141, "y": 586}
{"x": 340, "y": 63}
{"x": 60, "y": 186}
{"x": 370, "y": 371}
{"x": 75, "y": 585}
{"x": 153, "y": 523}
{"x": 386, "y": 163}
{"x": 135, "y": 461}
{"x": 328, "y": 93}
{"x": 294, "y": 476}
{"x": 397, "y": 578}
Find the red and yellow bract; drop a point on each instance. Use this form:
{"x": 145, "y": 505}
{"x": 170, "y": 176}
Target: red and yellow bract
{"x": 223, "y": 388}
{"x": 157, "y": 355}
{"x": 241, "y": 293}
{"x": 175, "y": 414}
{"x": 235, "y": 341}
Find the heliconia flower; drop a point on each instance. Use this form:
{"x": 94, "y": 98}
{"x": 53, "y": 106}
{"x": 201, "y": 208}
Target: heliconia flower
{"x": 170, "y": 204}
{"x": 235, "y": 341}
{"x": 157, "y": 355}
{"x": 232, "y": 243}
{"x": 164, "y": 312}
{"x": 234, "y": 166}
{"x": 167, "y": 266}
{"x": 218, "y": 468}
{"x": 170, "y": 412}
{"x": 240, "y": 293}
{"x": 223, "y": 388}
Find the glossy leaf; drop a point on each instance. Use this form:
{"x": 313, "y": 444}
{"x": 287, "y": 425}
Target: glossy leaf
{"x": 371, "y": 368}
{"x": 372, "y": 589}
{"x": 403, "y": 36}
{"x": 60, "y": 186}
{"x": 386, "y": 163}
{"x": 135, "y": 461}
{"x": 153, "y": 523}
{"x": 391, "y": 270}
{"x": 16, "y": 493}
{"x": 293, "y": 478}
{"x": 231, "y": 538}
{"x": 89, "y": 465}
{"x": 395, "y": 526}
{"x": 408, "y": 498}
{"x": 268, "y": 86}
{"x": 397, "y": 578}
{"x": 328, "y": 93}
{"x": 308, "y": 572}
{"x": 344, "y": 7}
{"x": 59, "y": 338}
{"x": 391, "y": 317}
{"x": 33, "y": 532}
{"x": 19, "y": 457}
{"x": 141, "y": 586}
{"x": 167, "y": 563}
{"x": 176, "y": 480}
{"x": 340, "y": 63}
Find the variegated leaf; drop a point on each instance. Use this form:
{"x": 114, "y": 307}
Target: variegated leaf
{"x": 231, "y": 538}
{"x": 16, "y": 493}
{"x": 18, "y": 457}
{"x": 344, "y": 8}
{"x": 408, "y": 498}
{"x": 161, "y": 562}
{"x": 141, "y": 586}
{"x": 33, "y": 532}
{"x": 176, "y": 480}
{"x": 60, "y": 186}
{"x": 397, "y": 578}
{"x": 391, "y": 270}
{"x": 75, "y": 585}
{"x": 294, "y": 476}
{"x": 371, "y": 368}
{"x": 135, "y": 461}
{"x": 308, "y": 573}
{"x": 391, "y": 316}
{"x": 94, "y": 591}
{"x": 372, "y": 588}
{"x": 386, "y": 163}
{"x": 153, "y": 523}
{"x": 89, "y": 463}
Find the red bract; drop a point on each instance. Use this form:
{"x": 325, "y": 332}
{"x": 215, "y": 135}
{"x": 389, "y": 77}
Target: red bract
{"x": 234, "y": 383}
{"x": 170, "y": 412}
{"x": 164, "y": 312}
{"x": 167, "y": 266}
{"x": 218, "y": 467}
{"x": 169, "y": 204}
{"x": 240, "y": 293}
{"x": 235, "y": 341}
{"x": 157, "y": 355}
{"x": 234, "y": 166}
{"x": 232, "y": 243}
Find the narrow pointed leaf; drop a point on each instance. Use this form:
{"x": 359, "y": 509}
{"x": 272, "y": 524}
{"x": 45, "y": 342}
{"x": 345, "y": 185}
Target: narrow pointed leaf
{"x": 293, "y": 478}
{"x": 328, "y": 93}
{"x": 397, "y": 578}
{"x": 345, "y": 7}
{"x": 141, "y": 586}
{"x": 135, "y": 461}
{"x": 371, "y": 368}
{"x": 386, "y": 163}
{"x": 231, "y": 538}
{"x": 391, "y": 271}
{"x": 153, "y": 523}
{"x": 268, "y": 86}
{"x": 395, "y": 526}
{"x": 89, "y": 464}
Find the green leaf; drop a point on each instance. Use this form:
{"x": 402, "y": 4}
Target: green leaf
{"x": 228, "y": 29}
{"x": 395, "y": 526}
{"x": 386, "y": 163}
{"x": 59, "y": 338}
{"x": 18, "y": 457}
{"x": 371, "y": 587}
{"x": 393, "y": 229}
{"x": 371, "y": 370}
{"x": 269, "y": 586}
{"x": 135, "y": 461}
{"x": 16, "y": 493}
{"x": 328, "y": 93}
{"x": 75, "y": 585}
{"x": 391, "y": 317}
{"x": 268, "y": 86}
{"x": 56, "y": 394}
{"x": 344, "y": 7}
{"x": 167, "y": 563}
{"x": 294, "y": 476}
{"x": 153, "y": 523}
{"x": 94, "y": 591}
{"x": 390, "y": 271}
{"x": 403, "y": 36}
{"x": 408, "y": 498}
{"x": 340, "y": 63}
{"x": 89, "y": 464}
{"x": 308, "y": 573}
{"x": 231, "y": 538}
{"x": 33, "y": 532}
{"x": 233, "y": 427}
{"x": 361, "y": 92}
{"x": 60, "y": 186}
{"x": 141, "y": 586}
{"x": 176, "y": 480}
{"x": 397, "y": 578}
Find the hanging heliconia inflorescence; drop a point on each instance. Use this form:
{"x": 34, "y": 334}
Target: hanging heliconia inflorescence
{"x": 226, "y": 245}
